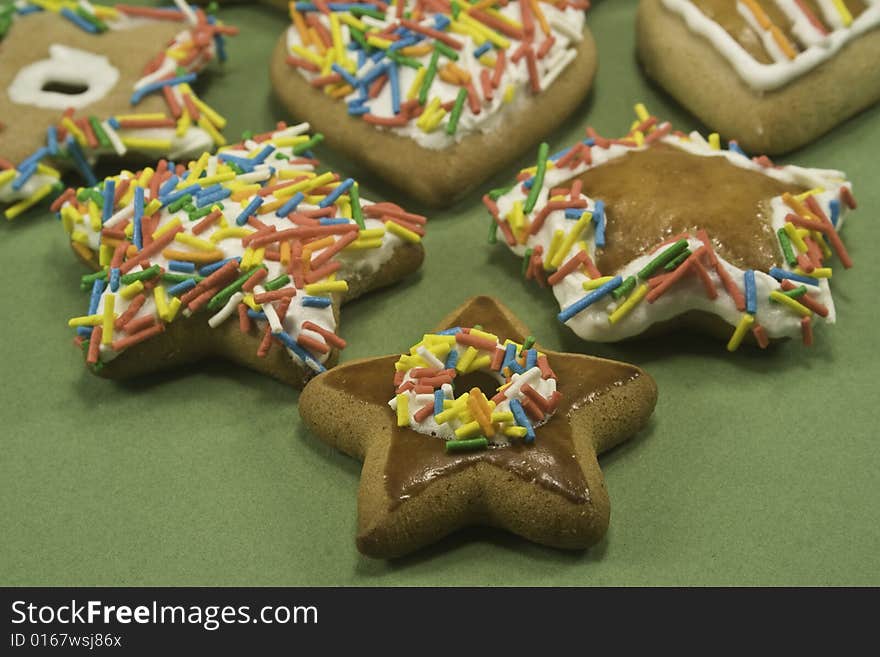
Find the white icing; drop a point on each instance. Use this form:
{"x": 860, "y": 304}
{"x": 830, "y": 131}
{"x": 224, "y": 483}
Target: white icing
{"x": 360, "y": 262}
{"x": 566, "y": 26}
{"x": 767, "y": 77}
{"x": 687, "y": 294}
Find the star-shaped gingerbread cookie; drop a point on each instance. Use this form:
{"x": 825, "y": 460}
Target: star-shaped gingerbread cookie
{"x": 245, "y": 255}
{"x": 660, "y": 228}
{"x": 486, "y": 429}
{"x": 86, "y": 81}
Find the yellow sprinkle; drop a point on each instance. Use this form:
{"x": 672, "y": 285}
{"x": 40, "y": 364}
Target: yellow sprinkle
{"x": 795, "y": 237}
{"x": 193, "y": 241}
{"x": 715, "y": 141}
{"x": 325, "y": 287}
{"x": 464, "y": 363}
{"x": 798, "y": 307}
{"x": 146, "y": 116}
{"x": 842, "y": 9}
{"x": 555, "y": 243}
{"x": 468, "y": 430}
{"x": 284, "y": 142}
{"x": 351, "y": 21}
{"x": 216, "y": 178}
{"x": 363, "y": 244}
{"x": 46, "y": 170}
{"x": 183, "y": 124}
{"x": 245, "y": 263}
{"x": 402, "y": 410}
{"x": 173, "y": 308}
{"x": 484, "y": 334}
{"x": 480, "y": 363}
{"x": 642, "y": 112}
{"x": 171, "y": 225}
{"x": 72, "y": 128}
{"x": 570, "y": 239}
{"x": 109, "y": 318}
{"x": 233, "y": 231}
{"x": 639, "y": 136}
{"x": 631, "y": 301}
{"x": 745, "y": 323}
{"x": 378, "y": 42}
{"x": 250, "y": 302}
{"x": 488, "y": 60}
{"x": 131, "y": 291}
{"x": 810, "y": 192}
{"x": 505, "y": 416}
{"x": 454, "y": 409}
{"x": 305, "y": 53}
{"x": 208, "y": 127}
{"x": 104, "y": 255}
{"x": 144, "y": 144}
{"x": 152, "y": 207}
{"x": 487, "y": 32}
{"x": 509, "y": 93}
{"x": 818, "y": 272}
{"x": 515, "y": 431}
{"x": 7, "y": 175}
{"x": 80, "y": 238}
{"x": 14, "y": 210}
{"x": 403, "y": 233}
{"x": 196, "y": 169}
{"x": 596, "y": 282}
{"x": 515, "y": 217}
{"x": 371, "y": 233}
{"x": 161, "y": 300}
{"x": 210, "y": 112}
{"x": 85, "y": 320}
{"x": 302, "y": 186}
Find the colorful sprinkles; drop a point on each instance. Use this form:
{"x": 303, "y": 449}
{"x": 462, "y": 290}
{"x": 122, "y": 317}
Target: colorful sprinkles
{"x": 253, "y": 233}
{"x": 548, "y": 220}
{"x": 188, "y": 127}
{"x": 426, "y": 400}
{"x": 433, "y": 69}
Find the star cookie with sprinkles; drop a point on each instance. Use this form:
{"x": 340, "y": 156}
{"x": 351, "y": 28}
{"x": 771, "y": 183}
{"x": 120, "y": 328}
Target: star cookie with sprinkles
{"x": 773, "y": 74}
{"x": 483, "y": 427}
{"x": 660, "y": 228}
{"x": 245, "y": 255}
{"x": 84, "y": 80}
{"x": 434, "y": 95}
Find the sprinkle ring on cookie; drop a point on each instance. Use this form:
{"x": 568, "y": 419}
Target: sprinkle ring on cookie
{"x": 526, "y": 394}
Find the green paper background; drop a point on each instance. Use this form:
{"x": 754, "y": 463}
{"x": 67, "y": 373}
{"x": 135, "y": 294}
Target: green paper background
{"x": 758, "y": 467}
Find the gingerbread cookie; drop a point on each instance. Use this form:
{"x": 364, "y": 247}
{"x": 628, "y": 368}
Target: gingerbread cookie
{"x": 435, "y": 96}
{"x": 83, "y": 81}
{"x": 772, "y": 74}
{"x": 661, "y": 227}
{"x": 245, "y": 255}
{"x": 482, "y": 428}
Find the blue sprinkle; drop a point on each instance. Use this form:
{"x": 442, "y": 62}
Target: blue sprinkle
{"x": 291, "y": 205}
{"x": 751, "y": 291}
{"x": 441, "y": 22}
{"x": 114, "y": 279}
{"x": 78, "y": 20}
{"x": 509, "y": 356}
{"x": 338, "y": 191}
{"x": 316, "y": 302}
{"x": 28, "y": 9}
{"x": 779, "y": 274}
{"x": 438, "y": 401}
{"x": 179, "y": 194}
{"x": 243, "y": 163}
{"x": 348, "y": 77}
{"x": 451, "y": 360}
{"x": 834, "y": 206}
{"x": 482, "y": 50}
{"x": 155, "y": 86}
{"x": 361, "y": 55}
{"x": 260, "y": 157}
{"x": 372, "y": 74}
{"x": 394, "y": 81}
{"x": 599, "y": 222}
{"x": 324, "y": 221}
{"x": 207, "y": 270}
{"x": 109, "y": 195}
{"x": 356, "y": 109}
{"x": 52, "y": 139}
{"x": 733, "y": 146}
{"x": 169, "y": 184}
{"x": 24, "y": 174}
{"x": 182, "y": 287}
{"x": 301, "y": 353}
{"x": 522, "y": 419}
{"x": 179, "y": 265}
{"x": 84, "y": 331}
{"x": 589, "y": 299}
{"x": 34, "y": 158}
{"x": 79, "y": 160}
{"x": 450, "y": 331}
{"x": 250, "y": 209}
{"x": 256, "y": 314}
{"x": 113, "y": 122}
{"x": 573, "y": 213}
{"x": 405, "y": 42}
{"x": 377, "y": 56}
{"x": 531, "y": 358}
{"x": 137, "y": 234}
{"x": 95, "y": 298}
{"x": 219, "y": 195}
{"x": 589, "y": 141}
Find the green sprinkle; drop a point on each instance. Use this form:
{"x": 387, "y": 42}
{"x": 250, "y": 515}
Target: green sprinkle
{"x": 219, "y": 299}
{"x": 785, "y": 243}
{"x": 144, "y": 275}
{"x": 363, "y": 11}
{"x": 796, "y": 292}
{"x": 429, "y": 78}
{"x": 446, "y": 51}
{"x": 98, "y": 129}
{"x": 212, "y": 8}
{"x": 195, "y": 215}
{"x": 527, "y": 256}
{"x": 308, "y": 145}
{"x": 357, "y": 214}
{"x": 82, "y": 195}
{"x": 85, "y": 283}
{"x": 280, "y": 156}
{"x": 498, "y": 192}
{"x": 173, "y": 277}
{"x": 277, "y": 283}
{"x": 456, "y": 9}
{"x": 238, "y": 170}
{"x": 100, "y": 25}
{"x": 538, "y": 181}
{"x": 358, "y": 36}
{"x": 455, "y": 114}
{"x": 624, "y": 288}
{"x": 672, "y": 265}
{"x": 493, "y": 231}
{"x": 471, "y": 444}
{"x": 247, "y": 134}
{"x": 527, "y": 344}
{"x": 180, "y": 203}
{"x": 403, "y": 60}
{"x": 668, "y": 254}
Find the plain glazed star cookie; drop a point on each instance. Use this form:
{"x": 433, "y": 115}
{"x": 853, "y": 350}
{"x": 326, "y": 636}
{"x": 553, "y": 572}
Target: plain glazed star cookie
{"x": 85, "y": 81}
{"x": 661, "y": 228}
{"x": 434, "y": 95}
{"x": 772, "y": 74}
{"x": 244, "y": 255}
{"x": 483, "y": 428}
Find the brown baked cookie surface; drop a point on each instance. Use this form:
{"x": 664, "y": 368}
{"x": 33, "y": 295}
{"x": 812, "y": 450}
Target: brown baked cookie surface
{"x": 432, "y": 100}
{"x": 486, "y": 429}
{"x": 77, "y": 86}
{"x": 771, "y": 75}
{"x": 245, "y": 255}
{"x": 661, "y": 229}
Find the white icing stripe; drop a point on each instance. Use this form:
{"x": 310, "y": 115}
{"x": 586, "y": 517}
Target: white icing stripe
{"x": 593, "y": 323}
{"x": 766, "y": 77}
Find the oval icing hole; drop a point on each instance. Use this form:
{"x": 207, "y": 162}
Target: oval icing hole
{"x": 65, "y": 87}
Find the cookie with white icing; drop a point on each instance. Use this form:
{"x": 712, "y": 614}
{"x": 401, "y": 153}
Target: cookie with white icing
{"x": 435, "y": 96}
{"x": 245, "y": 255}
{"x": 772, "y": 74}
{"x": 659, "y": 229}
{"x": 85, "y": 82}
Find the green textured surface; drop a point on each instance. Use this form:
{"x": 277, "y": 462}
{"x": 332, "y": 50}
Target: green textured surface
{"x": 759, "y": 468}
